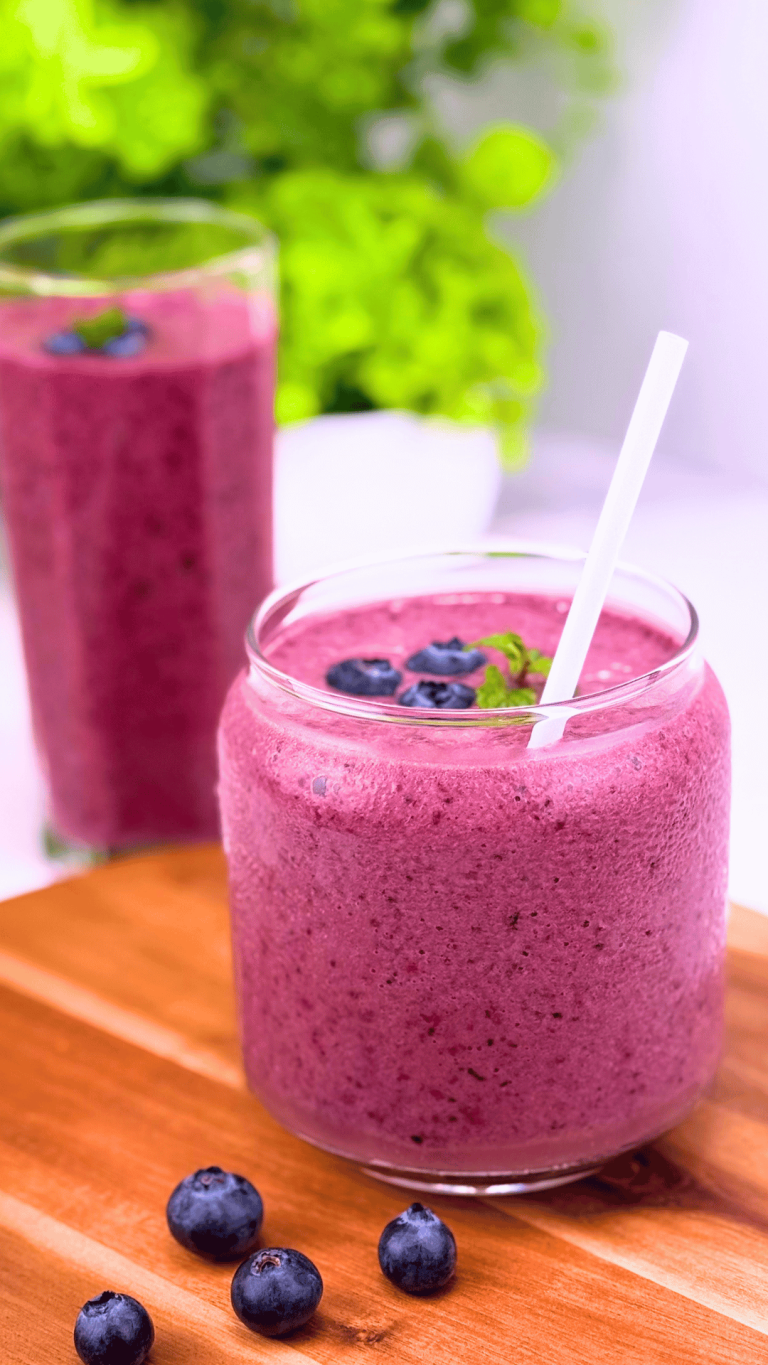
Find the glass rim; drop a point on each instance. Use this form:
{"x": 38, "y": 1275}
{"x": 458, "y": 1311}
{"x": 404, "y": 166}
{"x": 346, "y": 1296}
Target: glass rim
{"x": 377, "y": 708}
{"x": 97, "y": 213}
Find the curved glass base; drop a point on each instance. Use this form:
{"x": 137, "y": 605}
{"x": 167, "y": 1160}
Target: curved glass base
{"x": 78, "y": 857}
{"x": 525, "y": 1182}
{"x": 474, "y": 1183}
{"x": 58, "y": 848}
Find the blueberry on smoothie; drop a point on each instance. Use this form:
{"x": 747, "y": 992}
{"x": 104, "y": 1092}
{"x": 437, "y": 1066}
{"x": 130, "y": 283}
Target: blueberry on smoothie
{"x": 215, "y": 1214}
{"x": 446, "y": 657}
{"x": 417, "y": 1251}
{"x": 130, "y": 342}
{"x": 276, "y": 1290}
{"x": 364, "y": 677}
{"x": 451, "y": 696}
{"x": 113, "y": 1329}
{"x": 64, "y": 343}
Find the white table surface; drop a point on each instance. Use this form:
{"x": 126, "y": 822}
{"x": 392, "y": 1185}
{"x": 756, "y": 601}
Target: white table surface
{"x": 705, "y": 532}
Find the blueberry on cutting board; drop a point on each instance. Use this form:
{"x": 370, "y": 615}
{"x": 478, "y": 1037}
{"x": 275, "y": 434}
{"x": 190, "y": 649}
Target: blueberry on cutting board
{"x": 447, "y": 658}
{"x": 215, "y": 1214}
{"x": 113, "y": 1329}
{"x": 364, "y": 677}
{"x": 276, "y": 1290}
{"x": 417, "y": 1251}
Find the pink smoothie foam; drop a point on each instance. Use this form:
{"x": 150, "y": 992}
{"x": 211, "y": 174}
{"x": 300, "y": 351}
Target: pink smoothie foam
{"x": 452, "y": 953}
{"x": 137, "y": 495}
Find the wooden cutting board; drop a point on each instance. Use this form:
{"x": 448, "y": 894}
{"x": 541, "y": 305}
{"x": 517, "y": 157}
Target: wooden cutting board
{"x": 120, "y": 1074}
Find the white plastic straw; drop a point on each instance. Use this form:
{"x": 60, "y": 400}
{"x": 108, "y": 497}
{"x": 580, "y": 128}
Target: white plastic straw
{"x": 631, "y": 468}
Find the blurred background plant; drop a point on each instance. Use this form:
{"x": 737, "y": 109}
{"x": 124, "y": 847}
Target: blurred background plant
{"x": 319, "y": 116}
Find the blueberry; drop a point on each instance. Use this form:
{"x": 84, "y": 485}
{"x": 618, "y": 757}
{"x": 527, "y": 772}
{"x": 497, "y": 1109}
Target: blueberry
{"x": 364, "y": 677}
{"x": 64, "y": 343}
{"x": 276, "y": 1290}
{"x": 417, "y": 1252}
{"x": 452, "y": 696}
{"x": 131, "y": 342}
{"x": 216, "y": 1214}
{"x": 446, "y": 657}
{"x": 113, "y": 1329}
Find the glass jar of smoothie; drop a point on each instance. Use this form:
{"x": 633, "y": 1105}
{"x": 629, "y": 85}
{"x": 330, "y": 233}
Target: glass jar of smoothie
{"x": 469, "y": 964}
{"x": 136, "y": 415}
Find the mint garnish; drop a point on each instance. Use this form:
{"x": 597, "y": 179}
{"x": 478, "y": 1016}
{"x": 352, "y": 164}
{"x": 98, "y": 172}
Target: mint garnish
{"x": 101, "y": 328}
{"x": 538, "y": 663}
{"x": 496, "y": 691}
{"x": 493, "y": 692}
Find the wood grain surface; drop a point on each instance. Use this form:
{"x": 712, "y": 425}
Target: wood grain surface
{"x": 120, "y": 1074}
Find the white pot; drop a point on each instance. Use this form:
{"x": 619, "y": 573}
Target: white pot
{"x": 369, "y": 483}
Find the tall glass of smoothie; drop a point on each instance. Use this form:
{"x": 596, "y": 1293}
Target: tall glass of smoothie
{"x": 136, "y": 412}
{"x": 467, "y": 963}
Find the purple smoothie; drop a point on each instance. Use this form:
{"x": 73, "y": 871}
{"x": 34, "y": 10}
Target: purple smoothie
{"x": 137, "y": 494}
{"x": 456, "y": 955}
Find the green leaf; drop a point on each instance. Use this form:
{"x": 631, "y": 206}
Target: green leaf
{"x": 95, "y": 74}
{"x": 510, "y": 645}
{"x": 493, "y": 692}
{"x": 101, "y": 328}
{"x": 508, "y": 167}
{"x": 538, "y": 663}
{"x": 521, "y": 696}
{"x": 542, "y": 13}
{"x": 394, "y": 297}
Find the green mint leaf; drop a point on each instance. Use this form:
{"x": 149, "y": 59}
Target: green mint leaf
{"x": 508, "y": 644}
{"x": 101, "y": 328}
{"x": 493, "y": 692}
{"x": 521, "y": 660}
{"x": 538, "y": 663}
{"x": 521, "y": 696}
